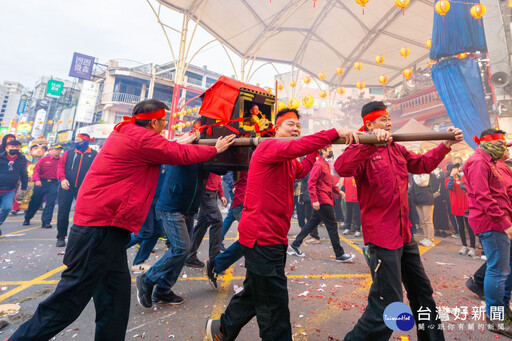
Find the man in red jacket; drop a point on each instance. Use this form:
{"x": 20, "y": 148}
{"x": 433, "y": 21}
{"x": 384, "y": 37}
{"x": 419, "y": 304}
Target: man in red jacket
{"x": 113, "y": 201}
{"x": 264, "y": 226}
{"x": 321, "y": 191}
{"x": 381, "y": 174}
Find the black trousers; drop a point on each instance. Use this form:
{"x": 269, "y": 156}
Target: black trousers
{"x": 97, "y": 268}
{"x": 209, "y": 217}
{"x": 65, "y": 201}
{"x": 353, "y": 220}
{"x": 265, "y": 295}
{"x": 325, "y": 214}
{"x": 479, "y": 275}
{"x": 391, "y": 268}
{"x": 48, "y": 189}
{"x": 338, "y": 211}
{"x": 463, "y": 225}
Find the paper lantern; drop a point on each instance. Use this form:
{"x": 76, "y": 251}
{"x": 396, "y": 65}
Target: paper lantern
{"x": 20, "y": 136}
{"x": 323, "y": 94}
{"x": 442, "y": 7}
{"x": 307, "y": 79}
{"x": 404, "y": 52}
{"x": 358, "y": 65}
{"x": 477, "y": 11}
{"x": 3, "y": 122}
{"x": 402, "y": 4}
{"x": 462, "y": 55}
{"x": 293, "y": 103}
{"x": 379, "y": 59}
{"x": 50, "y": 122}
{"x": 383, "y": 80}
{"x": 340, "y": 90}
{"x": 28, "y": 136}
{"x": 340, "y": 71}
{"x": 69, "y": 121}
{"x": 293, "y": 84}
{"x": 173, "y": 127}
{"x": 187, "y": 124}
{"x": 174, "y": 114}
{"x": 360, "y": 85}
{"x": 280, "y": 106}
{"x": 41, "y": 122}
{"x": 269, "y": 90}
{"x": 314, "y": 3}
{"x": 280, "y": 87}
{"x": 363, "y": 3}
{"x": 321, "y": 76}
{"x": 407, "y": 73}
{"x": 195, "y": 109}
{"x": 189, "y": 110}
{"x": 428, "y": 43}
{"x": 31, "y": 122}
{"x": 308, "y": 101}
{"x": 60, "y": 121}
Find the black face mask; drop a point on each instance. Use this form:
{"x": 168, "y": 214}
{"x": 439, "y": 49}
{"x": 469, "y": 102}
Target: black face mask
{"x": 330, "y": 155}
{"x": 13, "y": 152}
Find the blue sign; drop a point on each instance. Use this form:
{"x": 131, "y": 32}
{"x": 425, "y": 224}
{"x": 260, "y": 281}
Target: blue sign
{"x": 22, "y": 104}
{"x": 81, "y": 66}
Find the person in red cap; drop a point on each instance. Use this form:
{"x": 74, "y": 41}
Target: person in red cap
{"x": 113, "y": 201}
{"x": 264, "y": 226}
{"x": 73, "y": 166}
{"x": 382, "y": 173}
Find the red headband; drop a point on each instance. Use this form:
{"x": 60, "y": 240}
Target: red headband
{"x": 372, "y": 116}
{"x": 141, "y": 116}
{"x": 86, "y": 138}
{"x": 489, "y": 137}
{"x": 285, "y": 117}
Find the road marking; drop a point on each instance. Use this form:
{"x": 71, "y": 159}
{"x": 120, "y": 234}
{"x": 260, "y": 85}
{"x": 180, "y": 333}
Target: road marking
{"x": 25, "y": 240}
{"x": 16, "y": 232}
{"x": 358, "y": 249}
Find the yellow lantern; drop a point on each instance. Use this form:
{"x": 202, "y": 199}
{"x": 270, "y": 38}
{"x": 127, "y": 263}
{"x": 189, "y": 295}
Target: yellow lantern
{"x": 308, "y": 101}
{"x": 281, "y": 106}
{"x": 293, "y": 103}
{"x": 358, "y": 65}
{"x": 362, "y": 3}
{"x": 340, "y": 71}
{"x": 3, "y": 122}
{"x": 50, "y": 122}
{"x": 69, "y": 121}
{"x": 195, "y": 109}
{"x": 404, "y": 52}
{"x": 173, "y": 127}
{"x": 189, "y": 111}
{"x": 321, "y": 76}
{"x": 407, "y": 73}
{"x": 340, "y": 90}
{"x": 428, "y": 43}
{"x": 360, "y": 85}
{"x": 477, "y": 11}
{"x": 31, "y": 122}
{"x": 187, "y": 124}
{"x": 402, "y": 4}
{"x": 280, "y": 87}
{"x": 379, "y": 59}
{"x": 323, "y": 94}
{"x": 383, "y": 80}
{"x": 442, "y": 7}
{"x": 20, "y": 136}
{"x": 60, "y": 121}
{"x": 462, "y": 55}
{"x": 293, "y": 84}
{"x": 269, "y": 90}
{"x": 28, "y": 136}
{"x": 174, "y": 114}
{"x": 307, "y": 79}
{"x": 40, "y": 122}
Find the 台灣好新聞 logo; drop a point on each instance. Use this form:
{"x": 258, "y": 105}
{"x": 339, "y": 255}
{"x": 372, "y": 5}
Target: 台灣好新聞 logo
{"x": 398, "y": 316}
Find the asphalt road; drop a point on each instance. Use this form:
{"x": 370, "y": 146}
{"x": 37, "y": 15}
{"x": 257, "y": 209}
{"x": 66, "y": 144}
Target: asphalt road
{"x": 326, "y": 298}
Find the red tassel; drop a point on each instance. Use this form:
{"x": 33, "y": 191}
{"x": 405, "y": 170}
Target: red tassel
{"x": 403, "y": 11}
{"x": 479, "y": 23}
{"x": 363, "y": 10}
{"x": 443, "y": 18}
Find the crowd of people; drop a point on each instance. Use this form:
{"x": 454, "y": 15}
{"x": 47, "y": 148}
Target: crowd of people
{"x": 141, "y": 186}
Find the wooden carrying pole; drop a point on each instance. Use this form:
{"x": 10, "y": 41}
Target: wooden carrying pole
{"x": 364, "y": 139}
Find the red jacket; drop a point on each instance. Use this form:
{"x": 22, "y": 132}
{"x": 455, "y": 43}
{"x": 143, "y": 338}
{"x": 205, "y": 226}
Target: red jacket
{"x": 320, "y": 183}
{"x": 239, "y": 190}
{"x": 214, "y": 183}
{"x": 273, "y": 169}
{"x": 458, "y": 197}
{"x": 350, "y": 189}
{"x": 46, "y": 169}
{"x": 120, "y": 185}
{"x": 382, "y": 176}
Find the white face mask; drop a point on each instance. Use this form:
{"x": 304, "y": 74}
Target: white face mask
{"x": 437, "y": 172}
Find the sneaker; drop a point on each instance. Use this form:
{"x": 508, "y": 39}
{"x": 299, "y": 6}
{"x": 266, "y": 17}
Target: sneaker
{"x": 213, "y": 331}
{"x": 194, "y": 263}
{"x": 346, "y": 231}
{"x": 471, "y": 252}
{"x": 463, "y": 251}
{"x": 14, "y": 212}
{"x": 46, "y": 226}
{"x": 483, "y": 257}
{"x": 293, "y": 250}
{"x": 475, "y": 288}
{"x": 210, "y": 273}
{"x": 429, "y": 243}
{"x": 345, "y": 258}
{"x": 167, "y": 298}
{"x": 357, "y": 234}
{"x": 456, "y": 235}
{"x": 424, "y": 242}
{"x": 144, "y": 292}
{"x": 61, "y": 242}
{"x": 140, "y": 268}
{"x": 494, "y": 326}
{"x": 222, "y": 247}
{"x": 26, "y": 222}
{"x": 311, "y": 240}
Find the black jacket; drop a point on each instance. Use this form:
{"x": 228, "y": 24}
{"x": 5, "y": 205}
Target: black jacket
{"x": 77, "y": 165}
{"x": 423, "y": 195}
{"x": 11, "y": 174}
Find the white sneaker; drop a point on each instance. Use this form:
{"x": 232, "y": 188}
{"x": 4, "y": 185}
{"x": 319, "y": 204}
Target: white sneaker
{"x": 357, "y": 234}
{"x": 430, "y": 243}
{"x": 483, "y": 257}
{"x": 463, "y": 251}
{"x": 424, "y": 242}
{"x": 346, "y": 231}
{"x": 471, "y": 252}
{"x": 140, "y": 268}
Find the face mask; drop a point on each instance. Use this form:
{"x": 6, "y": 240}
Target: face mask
{"x": 330, "y": 155}
{"x": 13, "y": 152}
{"x": 495, "y": 151}
{"x": 82, "y": 145}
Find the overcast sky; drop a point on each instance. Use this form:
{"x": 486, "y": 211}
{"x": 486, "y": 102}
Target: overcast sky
{"x": 38, "y": 38}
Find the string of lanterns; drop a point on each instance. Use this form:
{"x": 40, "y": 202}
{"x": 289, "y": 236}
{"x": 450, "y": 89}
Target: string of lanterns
{"x": 190, "y": 111}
